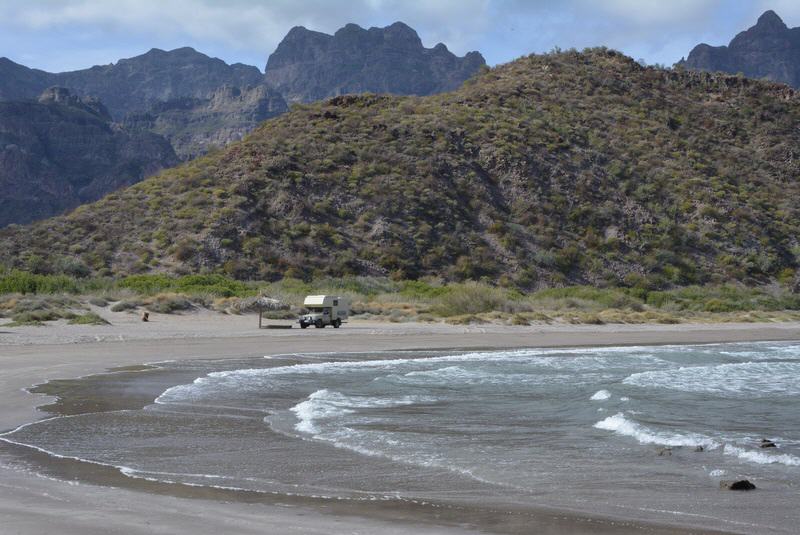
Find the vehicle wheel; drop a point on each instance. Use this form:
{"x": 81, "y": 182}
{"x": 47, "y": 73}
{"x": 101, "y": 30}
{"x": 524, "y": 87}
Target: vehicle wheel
{"x": 337, "y": 323}
{"x": 303, "y": 325}
{"x": 318, "y": 324}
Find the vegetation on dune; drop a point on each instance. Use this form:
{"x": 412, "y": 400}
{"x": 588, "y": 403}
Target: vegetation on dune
{"x": 553, "y": 170}
{"x": 90, "y": 318}
{"x": 60, "y": 297}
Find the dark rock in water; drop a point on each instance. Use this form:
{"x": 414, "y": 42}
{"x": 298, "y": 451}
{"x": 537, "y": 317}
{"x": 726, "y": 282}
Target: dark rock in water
{"x": 699, "y": 449}
{"x": 310, "y": 65}
{"x": 767, "y": 443}
{"x": 742, "y": 484}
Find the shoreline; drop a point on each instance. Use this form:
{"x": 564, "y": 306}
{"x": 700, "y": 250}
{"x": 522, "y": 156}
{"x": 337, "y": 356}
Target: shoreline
{"x": 27, "y": 499}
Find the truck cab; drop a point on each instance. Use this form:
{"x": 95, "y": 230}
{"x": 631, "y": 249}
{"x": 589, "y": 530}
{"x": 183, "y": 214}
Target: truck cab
{"x": 324, "y": 310}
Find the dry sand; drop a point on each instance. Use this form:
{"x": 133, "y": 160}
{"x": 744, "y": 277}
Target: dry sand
{"x": 31, "y": 504}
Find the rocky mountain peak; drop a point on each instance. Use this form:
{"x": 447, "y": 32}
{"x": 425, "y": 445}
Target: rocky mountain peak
{"x": 768, "y": 50}
{"x": 308, "y": 66}
{"x": 399, "y": 33}
{"x": 769, "y": 20}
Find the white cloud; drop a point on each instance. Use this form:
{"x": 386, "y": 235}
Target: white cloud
{"x": 245, "y": 24}
{"x": 656, "y": 12}
{"x": 249, "y": 30}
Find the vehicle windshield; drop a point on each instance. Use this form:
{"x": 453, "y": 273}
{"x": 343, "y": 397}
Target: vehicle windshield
{"x": 315, "y": 310}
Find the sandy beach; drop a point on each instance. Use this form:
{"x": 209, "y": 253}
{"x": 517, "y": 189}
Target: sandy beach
{"x": 30, "y": 503}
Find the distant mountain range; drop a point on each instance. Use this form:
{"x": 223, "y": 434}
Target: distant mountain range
{"x": 133, "y": 84}
{"x": 563, "y": 168}
{"x": 196, "y": 102}
{"x": 769, "y": 50}
{"x": 129, "y": 119}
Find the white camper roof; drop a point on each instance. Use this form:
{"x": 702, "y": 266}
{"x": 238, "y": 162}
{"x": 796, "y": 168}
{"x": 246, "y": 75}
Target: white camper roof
{"x": 319, "y": 300}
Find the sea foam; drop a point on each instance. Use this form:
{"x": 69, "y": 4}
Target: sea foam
{"x": 746, "y": 378}
{"x": 760, "y": 457}
{"x": 329, "y": 405}
{"x": 621, "y": 425}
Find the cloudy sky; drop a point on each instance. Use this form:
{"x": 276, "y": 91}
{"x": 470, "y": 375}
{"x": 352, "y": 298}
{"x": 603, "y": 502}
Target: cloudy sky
{"x": 59, "y": 35}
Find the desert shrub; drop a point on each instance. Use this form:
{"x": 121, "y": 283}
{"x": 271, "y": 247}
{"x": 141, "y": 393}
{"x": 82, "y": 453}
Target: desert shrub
{"x": 98, "y": 301}
{"x": 37, "y": 309}
{"x": 719, "y": 305}
{"x": 217, "y": 285}
{"x": 422, "y": 290}
{"x": 465, "y": 319}
{"x": 24, "y": 282}
{"x": 126, "y": 304}
{"x": 470, "y": 298}
{"x": 517, "y": 319}
{"x": 607, "y": 298}
{"x": 211, "y": 284}
{"x": 168, "y": 303}
{"x": 147, "y": 284}
{"x": 39, "y": 316}
{"x": 90, "y": 318}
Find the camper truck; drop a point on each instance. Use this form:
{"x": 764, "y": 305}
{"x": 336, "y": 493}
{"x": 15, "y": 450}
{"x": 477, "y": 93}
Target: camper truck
{"x": 324, "y": 310}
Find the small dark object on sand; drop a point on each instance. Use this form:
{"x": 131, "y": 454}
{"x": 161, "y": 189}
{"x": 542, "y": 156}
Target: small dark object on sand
{"x": 743, "y": 484}
{"x": 145, "y": 316}
{"x": 767, "y": 443}
{"x": 699, "y": 449}
{"x": 665, "y": 452}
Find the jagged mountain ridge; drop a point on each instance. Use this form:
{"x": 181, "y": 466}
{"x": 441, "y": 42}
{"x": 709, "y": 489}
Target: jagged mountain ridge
{"x": 62, "y": 151}
{"x": 198, "y": 103}
{"x": 353, "y": 60}
{"x": 134, "y": 84}
{"x": 309, "y": 65}
{"x": 554, "y": 169}
{"x": 769, "y": 50}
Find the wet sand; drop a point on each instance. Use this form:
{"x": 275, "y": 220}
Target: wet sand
{"x": 31, "y": 503}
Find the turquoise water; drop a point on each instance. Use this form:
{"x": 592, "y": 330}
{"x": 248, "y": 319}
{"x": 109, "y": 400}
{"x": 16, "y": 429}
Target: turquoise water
{"x": 581, "y": 429}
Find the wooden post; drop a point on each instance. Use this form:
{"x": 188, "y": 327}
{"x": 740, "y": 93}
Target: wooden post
{"x": 260, "y": 310}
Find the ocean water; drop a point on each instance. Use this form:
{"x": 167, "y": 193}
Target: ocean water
{"x": 580, "y": 430}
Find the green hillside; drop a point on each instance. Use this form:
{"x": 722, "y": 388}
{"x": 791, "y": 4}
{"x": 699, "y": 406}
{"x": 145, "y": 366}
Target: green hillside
{"x": 566, "y": 168}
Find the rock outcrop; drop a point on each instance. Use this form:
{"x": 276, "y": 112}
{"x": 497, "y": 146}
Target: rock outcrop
{"x": 195, "y": 125}
{"x": 309, "y": 66}
{"x": 62, "y": 151}
{"x": 769, "y": 50}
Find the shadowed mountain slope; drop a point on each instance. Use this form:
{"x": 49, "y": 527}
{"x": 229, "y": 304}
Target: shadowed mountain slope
{"x": 62, "y": 151}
